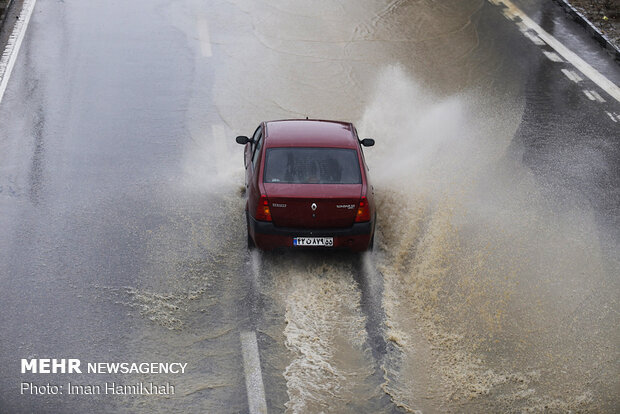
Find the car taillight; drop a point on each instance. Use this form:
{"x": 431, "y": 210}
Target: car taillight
{"x": 363, "y": 211}
{"x": 262, "y": 210}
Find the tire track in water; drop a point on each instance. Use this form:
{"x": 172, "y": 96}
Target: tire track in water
{"x": 329, "y": 364}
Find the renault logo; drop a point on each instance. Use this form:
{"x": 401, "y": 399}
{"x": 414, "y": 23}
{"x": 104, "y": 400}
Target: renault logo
{"x": 313, "y": 206}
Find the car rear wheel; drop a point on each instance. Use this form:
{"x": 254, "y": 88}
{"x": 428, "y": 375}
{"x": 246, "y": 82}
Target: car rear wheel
{"x": 251, "y": 244}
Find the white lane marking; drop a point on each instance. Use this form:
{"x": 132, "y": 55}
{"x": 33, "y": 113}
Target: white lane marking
{"x": 203, "y": 36}
{"x": 597, "y": 96}
{"x": 613, "y": 118}
{"x": 535, "y": 39}
{"x": 572, "y": 75}
{"x": 554, "y": 57}
{"x": 594, "y": 95}
{"x": 589, "y": 95}
{"x": 594, "y": 75}
{"x": 9, "y": 56}
{"x": 253, "y": 377}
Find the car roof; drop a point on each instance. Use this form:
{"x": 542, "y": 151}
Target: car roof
{"x": 310, "y": 133}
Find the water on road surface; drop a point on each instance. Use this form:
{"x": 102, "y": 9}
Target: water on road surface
{"x": 493, "y": 286}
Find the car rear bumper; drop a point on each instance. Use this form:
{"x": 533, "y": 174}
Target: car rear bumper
{"x": 267, "y": 236}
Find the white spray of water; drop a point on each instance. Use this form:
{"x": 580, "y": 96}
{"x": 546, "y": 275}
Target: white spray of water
{"x": 432, "y": 143}
{"x": 479, "y": 265}
{"x": 213, "y": 160}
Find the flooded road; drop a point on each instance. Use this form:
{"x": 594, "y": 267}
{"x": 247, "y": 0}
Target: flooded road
{"x": 493, "y": 286}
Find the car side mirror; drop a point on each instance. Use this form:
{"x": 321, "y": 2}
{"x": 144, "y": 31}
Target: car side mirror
{"x": 242, "y": 140}
{"x": 367, "y": 142}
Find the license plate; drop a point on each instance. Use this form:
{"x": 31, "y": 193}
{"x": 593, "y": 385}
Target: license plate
{"x": 313, "y": 241}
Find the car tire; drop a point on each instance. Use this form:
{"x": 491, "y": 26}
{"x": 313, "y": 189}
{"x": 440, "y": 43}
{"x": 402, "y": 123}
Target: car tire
{"x": 251, "y": 244}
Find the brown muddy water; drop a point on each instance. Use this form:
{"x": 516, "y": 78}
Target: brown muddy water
{"x": 484, "y": 292}
{"x": 509, "y": 299}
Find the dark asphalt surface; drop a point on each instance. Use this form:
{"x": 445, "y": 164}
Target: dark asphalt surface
{"x": 495, "y": 283}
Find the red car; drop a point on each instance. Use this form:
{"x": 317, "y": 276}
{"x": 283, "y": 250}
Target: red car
{"x": 307, "y": 186}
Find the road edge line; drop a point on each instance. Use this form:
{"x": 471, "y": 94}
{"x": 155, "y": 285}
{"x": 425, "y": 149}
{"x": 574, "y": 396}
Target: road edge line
{"x": 9, "y": 55}
{"x": 590, "y": 28}
{"x": 595, "y": 76}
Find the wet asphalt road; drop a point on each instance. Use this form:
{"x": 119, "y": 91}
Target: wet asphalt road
{"x": 494, "y": 286}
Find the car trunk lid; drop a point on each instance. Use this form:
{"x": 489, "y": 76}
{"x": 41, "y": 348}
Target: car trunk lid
{"x": 313, "y": 205}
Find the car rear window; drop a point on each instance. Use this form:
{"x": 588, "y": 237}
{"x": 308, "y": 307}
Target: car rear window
{"x": 294, "y": 165}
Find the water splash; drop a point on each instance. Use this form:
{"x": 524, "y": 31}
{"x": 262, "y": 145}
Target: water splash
{"x": 481, "y": 267}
